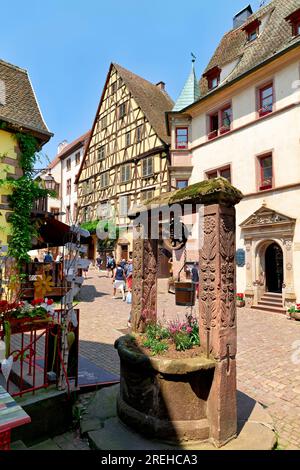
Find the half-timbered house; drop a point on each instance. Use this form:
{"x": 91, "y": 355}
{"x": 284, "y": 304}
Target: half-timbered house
{"x": 127, "y": 158}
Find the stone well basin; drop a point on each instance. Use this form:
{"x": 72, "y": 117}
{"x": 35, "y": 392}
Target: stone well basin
{"x": 164, "y": 398}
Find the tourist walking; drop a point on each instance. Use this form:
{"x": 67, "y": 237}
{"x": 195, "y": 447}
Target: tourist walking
{"x": 119, "y": 281}
{"x": 195, "y": 278}
{"x": 99, "y": 261}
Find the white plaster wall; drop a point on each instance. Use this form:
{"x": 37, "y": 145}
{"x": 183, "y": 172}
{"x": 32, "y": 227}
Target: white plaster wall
{"x": 279, "y": 133}
{"x": 71, "y": 199}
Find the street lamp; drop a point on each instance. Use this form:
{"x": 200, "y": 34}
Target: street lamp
{"x": 49, "y": 182}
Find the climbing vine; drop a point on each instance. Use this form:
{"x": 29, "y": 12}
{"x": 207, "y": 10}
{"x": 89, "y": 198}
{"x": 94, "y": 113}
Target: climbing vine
{"x": 24, "y": 192}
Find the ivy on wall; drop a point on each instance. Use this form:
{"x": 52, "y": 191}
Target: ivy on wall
{"x": 24, "y": 192}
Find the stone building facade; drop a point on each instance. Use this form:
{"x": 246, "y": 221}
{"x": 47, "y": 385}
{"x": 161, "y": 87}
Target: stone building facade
{"x": 245, "y": 127}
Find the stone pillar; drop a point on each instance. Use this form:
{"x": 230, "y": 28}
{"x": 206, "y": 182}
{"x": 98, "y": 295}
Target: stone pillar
{"x": 217, "y": 322}
{"x": 144, "y": 285}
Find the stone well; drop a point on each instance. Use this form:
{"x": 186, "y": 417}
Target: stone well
{"x": 164, "y": 398}
{"x": 187, "y": 399}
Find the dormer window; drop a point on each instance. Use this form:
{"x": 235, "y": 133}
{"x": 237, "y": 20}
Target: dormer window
{"x": 252, "y": 30}
{"x": 294, "y": 19}
{"x": 213, "y": 77}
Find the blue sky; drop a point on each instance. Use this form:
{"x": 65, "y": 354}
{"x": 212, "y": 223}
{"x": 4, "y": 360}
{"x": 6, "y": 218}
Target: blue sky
{"x": 67, "y": 46}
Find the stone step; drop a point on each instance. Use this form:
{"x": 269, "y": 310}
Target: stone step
{"x": 273, "y": 295}
{"x": 270, "y": 309}
{"x": 270, "y": 303}
{"x": 49, "y": 444}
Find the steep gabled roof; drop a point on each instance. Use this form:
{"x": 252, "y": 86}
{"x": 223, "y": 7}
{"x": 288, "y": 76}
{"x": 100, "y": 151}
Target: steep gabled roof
{"x": 153, "y": 101}
{"x": 275, "y": 37}
{"x": 70, "y": 148}
{"x": 18, "y": 103}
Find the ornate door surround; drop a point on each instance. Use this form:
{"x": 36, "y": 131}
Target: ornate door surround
{"x": 259, "y": 231}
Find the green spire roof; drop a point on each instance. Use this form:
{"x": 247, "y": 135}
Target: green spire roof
{"x": 190, "y": 92}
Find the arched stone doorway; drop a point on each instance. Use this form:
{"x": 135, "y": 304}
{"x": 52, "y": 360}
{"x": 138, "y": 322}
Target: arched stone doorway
{"x": 268, "y": 237}
{"x": 274, "y": 268}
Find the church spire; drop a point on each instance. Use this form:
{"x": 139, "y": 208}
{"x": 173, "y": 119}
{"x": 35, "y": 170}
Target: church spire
{"x": 190, "y": 92}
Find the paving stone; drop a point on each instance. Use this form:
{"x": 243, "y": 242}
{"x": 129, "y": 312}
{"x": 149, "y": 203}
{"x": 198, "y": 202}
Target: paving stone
{"x": 101, "y": 407}
{"x": 265, "y": 369}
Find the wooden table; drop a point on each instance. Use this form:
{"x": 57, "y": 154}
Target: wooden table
{"x": 11, "y": 416}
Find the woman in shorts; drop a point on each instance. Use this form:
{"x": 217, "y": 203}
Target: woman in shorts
{"x": 119, "y": 280}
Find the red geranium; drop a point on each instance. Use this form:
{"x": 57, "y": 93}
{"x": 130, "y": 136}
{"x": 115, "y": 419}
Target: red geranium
{"x": 50, "y": 302}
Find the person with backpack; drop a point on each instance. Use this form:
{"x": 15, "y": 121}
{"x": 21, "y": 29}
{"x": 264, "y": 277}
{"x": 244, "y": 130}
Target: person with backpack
{"x": 119, "y": 280}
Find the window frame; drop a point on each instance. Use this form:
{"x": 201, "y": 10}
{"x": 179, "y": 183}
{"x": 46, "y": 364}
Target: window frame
{"x": 142, "y": 198}
{"x": 148, "y": 175}
{"x": 219, "y": 114}
{"x": 68, "y": 214}
{"x": 127, "y": 134}
{"x": 123, "y": 114}
{"x": 69, "y": 186}
{"x": 127, "y": 198}
{"x": 260, "y": 185}
{"x": 103, "y": 122}
{"x": 77, "y": 158}
{"x": 140, "y": 133}
{"x": 114, "y": 87}
{"x": 217, "y": 171}
{"x": 106, "y": 174}
{"x": 101, "y": 149}
{"x": 124, "y": 167}
{"x": 180, "y": 147}
{"x": 261, "y": 89}
{"x": 68, "y": 164}
{"x": 181, "y": 181}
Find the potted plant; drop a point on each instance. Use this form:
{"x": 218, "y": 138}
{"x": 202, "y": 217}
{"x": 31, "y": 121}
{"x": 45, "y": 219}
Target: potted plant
{"x": 240, "y": 300}
{"x": 294, "y": 312}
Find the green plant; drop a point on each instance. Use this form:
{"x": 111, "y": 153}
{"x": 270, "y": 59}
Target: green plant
{"x": 182, "y": 341}
{"x": 24, "y": 192}
{"x": 156, "y": 346}
{"x": 156, "y": 332}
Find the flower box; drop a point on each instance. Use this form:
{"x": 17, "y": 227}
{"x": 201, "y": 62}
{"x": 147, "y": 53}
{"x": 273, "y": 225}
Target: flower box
{"x": 295, "y": 316}
{"x": 22, "y": 325}
{"x": 240, "y": 301}
{"x": 224, "y": 130}
{"x": 212, "y": 135}
{"x": 295, "y": 312}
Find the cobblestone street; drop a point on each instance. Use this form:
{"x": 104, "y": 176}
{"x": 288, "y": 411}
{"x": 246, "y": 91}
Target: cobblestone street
{"x": 266, "y": 345}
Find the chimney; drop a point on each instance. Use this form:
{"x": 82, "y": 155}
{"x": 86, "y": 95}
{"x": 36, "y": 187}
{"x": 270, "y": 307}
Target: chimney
{"x": 61, "y": 146}
{"x": 242, "y": 16}
{"x": 161, "y": 86}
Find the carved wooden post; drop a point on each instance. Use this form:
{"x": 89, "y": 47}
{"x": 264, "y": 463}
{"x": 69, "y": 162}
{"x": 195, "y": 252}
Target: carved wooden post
{"x": 144, "y": 285}
{"x": 218, "y": 317}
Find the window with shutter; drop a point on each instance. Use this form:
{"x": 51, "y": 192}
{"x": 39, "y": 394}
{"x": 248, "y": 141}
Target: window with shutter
{"x": 127, "y": 139}
{"x": 147, "y": 167}
{"x": 104, "y": 180}
{"x": 101, "y": 153}
{"x": 124, "y": 204}
{"x": 125, "y": 173}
